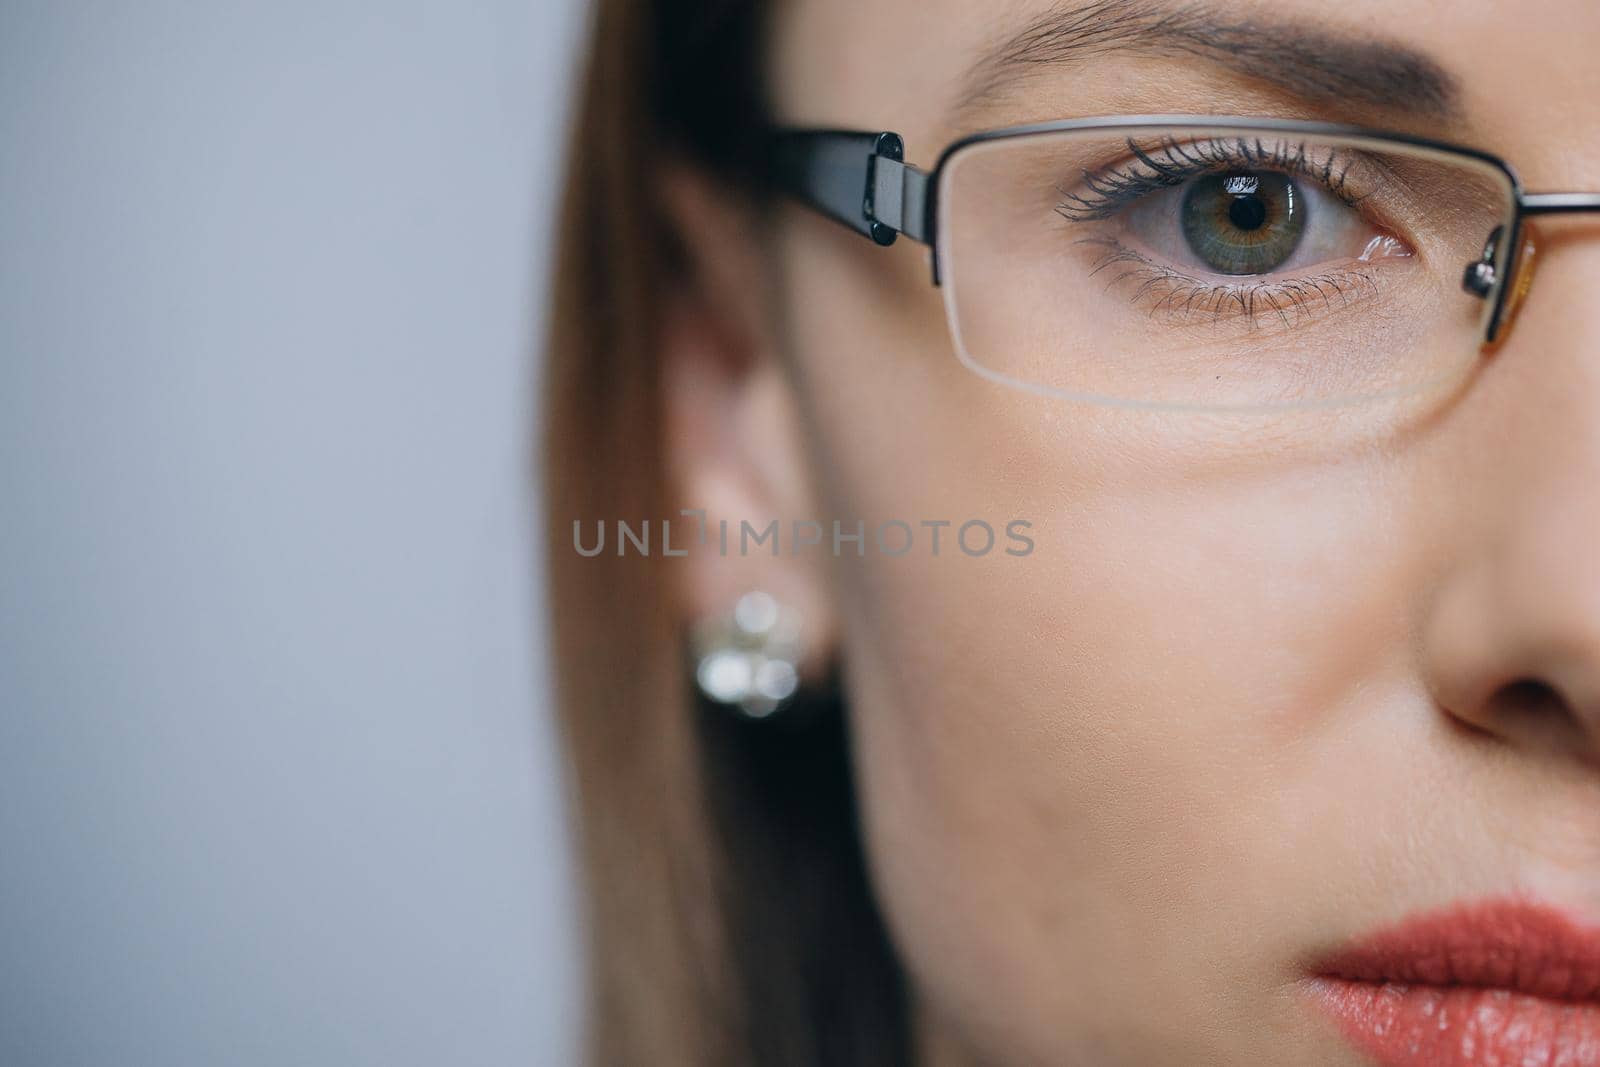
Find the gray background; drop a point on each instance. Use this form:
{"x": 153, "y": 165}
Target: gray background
{"x": 277, "y": 783}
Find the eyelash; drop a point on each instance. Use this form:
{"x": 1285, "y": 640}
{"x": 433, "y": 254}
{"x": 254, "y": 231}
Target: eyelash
{"x": 1176, "y": 293}
{"x": 1173, "y": 162}
{"x": 1111, "y": 189}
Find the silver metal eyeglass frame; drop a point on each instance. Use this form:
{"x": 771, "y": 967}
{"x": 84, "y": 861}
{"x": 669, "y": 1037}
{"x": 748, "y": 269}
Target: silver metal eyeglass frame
{"x": 861, "y": 179}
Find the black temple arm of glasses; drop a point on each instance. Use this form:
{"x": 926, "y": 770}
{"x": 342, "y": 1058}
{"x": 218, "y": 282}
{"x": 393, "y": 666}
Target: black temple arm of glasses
{"x": 857, "y": 178}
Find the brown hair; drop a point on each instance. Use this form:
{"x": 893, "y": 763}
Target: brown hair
{"x": 730, "y": 916}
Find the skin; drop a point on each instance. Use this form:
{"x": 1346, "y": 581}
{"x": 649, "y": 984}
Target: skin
{"x": 1250, "y": 696}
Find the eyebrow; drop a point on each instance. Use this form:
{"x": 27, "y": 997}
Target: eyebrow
{"x": 1317, "y": 63}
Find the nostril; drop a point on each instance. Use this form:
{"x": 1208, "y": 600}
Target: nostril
{"x": 1529, "y": 695}
{"x": 1536, "y": 714}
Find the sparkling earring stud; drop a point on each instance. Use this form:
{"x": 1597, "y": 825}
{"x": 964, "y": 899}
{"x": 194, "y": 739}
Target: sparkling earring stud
{"x": 749, "y": 658}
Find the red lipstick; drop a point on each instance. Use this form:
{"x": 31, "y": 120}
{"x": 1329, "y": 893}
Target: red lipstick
{"x": 1500, "y": 983}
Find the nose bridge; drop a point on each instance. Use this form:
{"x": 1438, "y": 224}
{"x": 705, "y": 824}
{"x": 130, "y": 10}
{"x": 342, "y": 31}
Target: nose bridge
{"x": 1564, "y": 224}
{"x": 1551, "y": 382}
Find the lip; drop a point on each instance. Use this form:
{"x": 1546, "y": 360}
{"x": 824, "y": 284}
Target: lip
{"x": 1505, "y": 981}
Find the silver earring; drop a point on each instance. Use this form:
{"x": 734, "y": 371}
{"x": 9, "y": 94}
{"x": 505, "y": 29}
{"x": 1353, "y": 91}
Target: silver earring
{"x": 749, "y": 658}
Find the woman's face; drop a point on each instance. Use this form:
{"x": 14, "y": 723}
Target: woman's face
{"x": 1264, "y": 685}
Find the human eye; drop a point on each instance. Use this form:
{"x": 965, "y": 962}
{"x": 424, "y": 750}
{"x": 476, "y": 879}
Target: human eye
{"x": 1238, "y": 228}
{"x": 1224, "y": 266}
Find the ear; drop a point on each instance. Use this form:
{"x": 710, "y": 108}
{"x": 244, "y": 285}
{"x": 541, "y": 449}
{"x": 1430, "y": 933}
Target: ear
{"x": 735, "y": 445}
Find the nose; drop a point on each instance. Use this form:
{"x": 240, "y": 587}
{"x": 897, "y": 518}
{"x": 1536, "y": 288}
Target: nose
{"x": 1512, "y": 637}
{"x": 1514, "y": 649}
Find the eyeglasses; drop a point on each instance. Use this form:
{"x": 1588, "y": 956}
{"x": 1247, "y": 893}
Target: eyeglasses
{"x": 1208, "y": 263}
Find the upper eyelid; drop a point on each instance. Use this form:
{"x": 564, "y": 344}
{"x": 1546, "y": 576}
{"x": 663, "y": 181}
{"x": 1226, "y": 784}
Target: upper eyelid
{"x": 1109, "y": 186}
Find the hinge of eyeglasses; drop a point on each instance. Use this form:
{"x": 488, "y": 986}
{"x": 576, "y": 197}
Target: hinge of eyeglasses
{"x": 897, "y": 195}
{"x": 854, "y": 177}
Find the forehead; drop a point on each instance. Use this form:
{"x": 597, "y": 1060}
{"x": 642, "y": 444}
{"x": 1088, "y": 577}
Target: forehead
{"x": 915, "y": 65}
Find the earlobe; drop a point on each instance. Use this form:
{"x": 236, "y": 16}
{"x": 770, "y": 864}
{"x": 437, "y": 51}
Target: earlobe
{"x": 734, "y": 449}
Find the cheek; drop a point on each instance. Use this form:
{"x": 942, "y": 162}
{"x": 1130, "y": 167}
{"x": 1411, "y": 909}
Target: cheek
{"x": 1066, "y": 758}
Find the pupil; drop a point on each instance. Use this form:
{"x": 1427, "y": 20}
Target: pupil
{"x": 1247, "y": 212}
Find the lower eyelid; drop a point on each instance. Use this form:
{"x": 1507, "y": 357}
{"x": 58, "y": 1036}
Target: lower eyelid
{"x": 1290, "y": 300}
